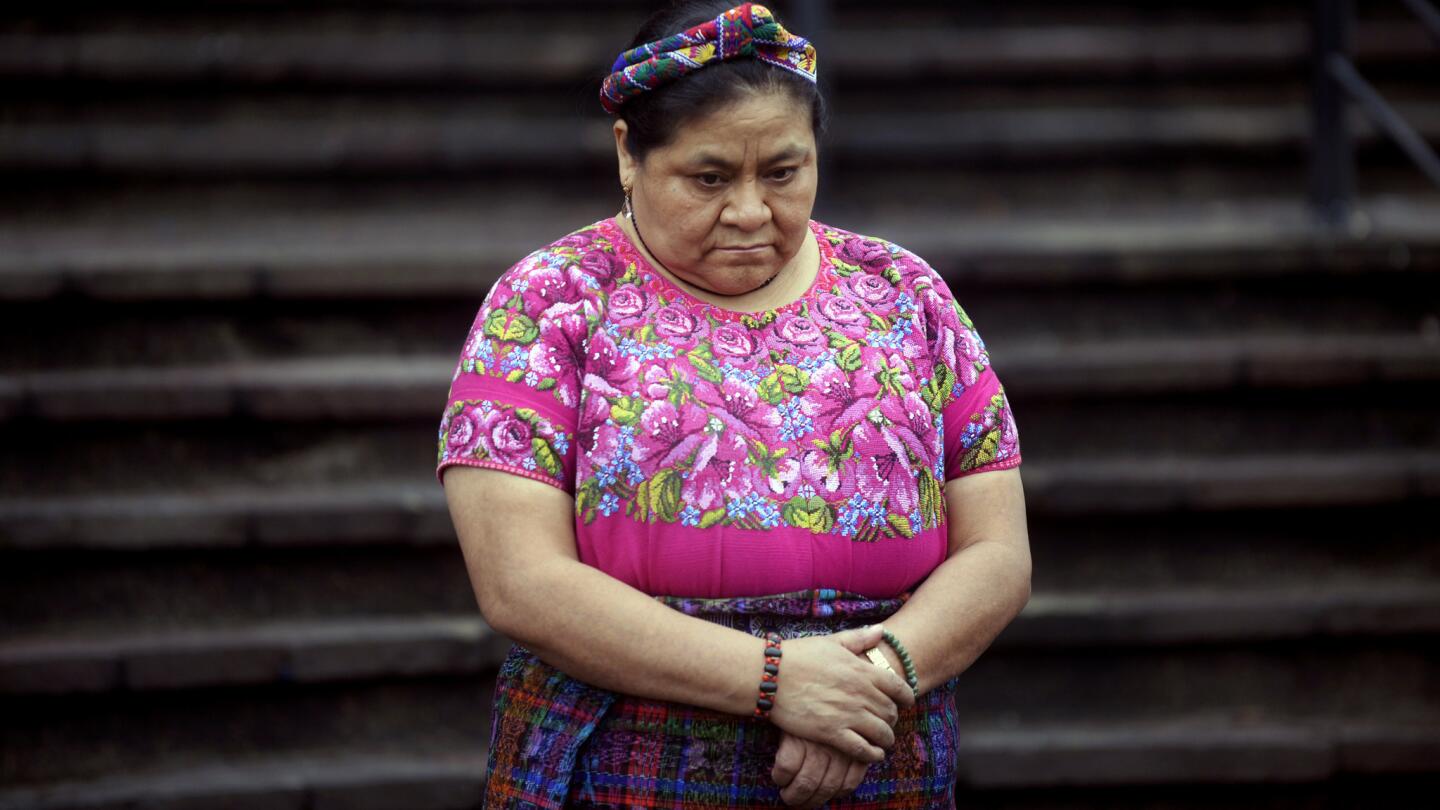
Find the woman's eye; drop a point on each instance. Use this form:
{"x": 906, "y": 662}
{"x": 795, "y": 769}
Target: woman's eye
{"x": 709, "y": 180}
{"x": 783, "y": 174}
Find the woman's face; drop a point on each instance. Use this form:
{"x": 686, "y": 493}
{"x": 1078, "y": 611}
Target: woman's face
{"x": 726, "y": 204}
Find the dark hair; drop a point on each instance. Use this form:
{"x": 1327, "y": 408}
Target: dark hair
{"x": 653, "y": 116}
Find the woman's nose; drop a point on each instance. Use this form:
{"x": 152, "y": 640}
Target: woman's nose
{"x": 746, "y": 208}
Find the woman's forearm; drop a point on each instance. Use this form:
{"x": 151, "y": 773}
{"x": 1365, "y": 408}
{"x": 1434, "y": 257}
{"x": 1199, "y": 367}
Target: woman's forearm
{"x": 958, "y": 611}
{"x": 600, "y": 630}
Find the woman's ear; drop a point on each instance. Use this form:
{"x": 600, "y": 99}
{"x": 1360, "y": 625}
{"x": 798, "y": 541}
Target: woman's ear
{"x": 627, "y": 164}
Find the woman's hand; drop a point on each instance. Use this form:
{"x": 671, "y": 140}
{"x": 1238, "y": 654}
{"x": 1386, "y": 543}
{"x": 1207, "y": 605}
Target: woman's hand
{"x": 829, "y": 693}
{"x": 810, "y": 773}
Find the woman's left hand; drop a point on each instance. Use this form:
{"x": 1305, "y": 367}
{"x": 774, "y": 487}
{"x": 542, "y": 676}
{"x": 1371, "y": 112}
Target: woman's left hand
{"x": 811, "y": 773}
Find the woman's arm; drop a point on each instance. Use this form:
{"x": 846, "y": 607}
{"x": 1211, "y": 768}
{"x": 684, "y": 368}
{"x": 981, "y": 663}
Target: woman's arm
{"x": 981, "y": 587}
{"x": 518, "y": 539}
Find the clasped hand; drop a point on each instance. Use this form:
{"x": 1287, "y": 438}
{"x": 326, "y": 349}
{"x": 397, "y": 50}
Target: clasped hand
{"x": 837, "y": 712}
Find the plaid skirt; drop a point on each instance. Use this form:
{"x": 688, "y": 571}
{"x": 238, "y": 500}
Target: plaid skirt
{"x": 557, "y": 742}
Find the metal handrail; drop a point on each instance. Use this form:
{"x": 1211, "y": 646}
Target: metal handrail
{"x": 1334, "y": 80}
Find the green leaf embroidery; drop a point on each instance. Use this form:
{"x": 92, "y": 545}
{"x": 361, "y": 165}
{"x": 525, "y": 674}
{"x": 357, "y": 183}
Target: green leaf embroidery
{"x": 703, "y": 361}
{"x": 849, "y": 357}
{"x": 811, "y": 513}
{"x": 793, "y": 378}
{"x": 900, "y": 524}
{"x": 936, "y": 494}
{"x": 936, "y": 392}
{"x": 769, "y": 389}
{"x": 664, "y": 495}
{"x": 513, "y": 327}
{"x": 545, "y": 457}
{"x": 626, "y": 410}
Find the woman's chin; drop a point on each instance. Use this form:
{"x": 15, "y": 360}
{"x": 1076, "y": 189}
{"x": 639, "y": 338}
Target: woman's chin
{"x": 738, "y": 281}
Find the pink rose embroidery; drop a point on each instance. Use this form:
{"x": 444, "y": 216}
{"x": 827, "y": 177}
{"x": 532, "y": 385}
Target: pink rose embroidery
{"x": 674, "y": 321}
{"x": 842, "y": 314}
{"x": 733, "y": 342}
{"x": 873, "y": 290}
{"x": 504, "y": 436}
{"x": 798, "y": 333}
{"x": 598, "y": 264}
{"x": 870, "y": 254}
{"x": 628, "y": 304}
{"x": 463, "y": 435}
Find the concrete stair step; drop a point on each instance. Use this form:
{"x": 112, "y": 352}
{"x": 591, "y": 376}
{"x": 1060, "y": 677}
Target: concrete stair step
{"x": 337, "y": 46}
{"x": 1235, "y": 760}
{"x": 238, "y": 589}
{"x": 348, "y": 780}
{"x": 1379, "y": 317}
{"x": 72, "y": 737}
{"x": 298, "y": 136}
{"x": 1132, "y": 627}
{"x": 355, "y": 648}
{"x": 380, "y": 387}
{"x": 320, "y": 506}
{"x": 1276, "y": 550}
{"x": 446, "y": 245}
{"x": 1200, "y": 751}
{"x": 164, "y": 590}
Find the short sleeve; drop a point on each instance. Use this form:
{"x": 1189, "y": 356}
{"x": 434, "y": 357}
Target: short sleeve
{"x": 978, "y": 426}
{"x": 513, "y": 400}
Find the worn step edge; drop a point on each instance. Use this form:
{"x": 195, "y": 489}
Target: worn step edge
{"x": 380, "y": 387}
{"x": 382, "y": 49}
{"x": 1197, "y": 751}
{"x": 279, "y": 652}
{"x": 319, "y": 651}
{"x": 454, "y": 781}
{"x": 1201, "y": 751}
{"x": 1233, "y": 615}
{"x": 408, "y": 512}
{"x": 307, "y": 254}
{"x": 259, "y": 142}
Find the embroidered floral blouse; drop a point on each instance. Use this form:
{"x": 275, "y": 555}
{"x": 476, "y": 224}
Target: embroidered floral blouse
{"x": 714, "y": 453}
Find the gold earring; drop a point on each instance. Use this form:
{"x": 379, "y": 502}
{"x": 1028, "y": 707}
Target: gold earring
{"x": 629, "y": 212}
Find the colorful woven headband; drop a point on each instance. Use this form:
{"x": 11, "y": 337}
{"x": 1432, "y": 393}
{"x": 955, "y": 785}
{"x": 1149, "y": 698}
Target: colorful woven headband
{"x": 749, "y": 30}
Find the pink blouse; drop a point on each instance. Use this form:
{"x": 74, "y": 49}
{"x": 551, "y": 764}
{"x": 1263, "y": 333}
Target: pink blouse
{"x": 714, "y": 453}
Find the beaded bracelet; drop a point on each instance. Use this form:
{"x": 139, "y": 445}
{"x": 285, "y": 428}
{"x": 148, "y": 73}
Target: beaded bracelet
{"x": 766, "y": 701}
{"x": 910, "y": 676}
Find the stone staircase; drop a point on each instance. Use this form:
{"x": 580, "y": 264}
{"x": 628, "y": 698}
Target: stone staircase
{"x": 240, "y": 243}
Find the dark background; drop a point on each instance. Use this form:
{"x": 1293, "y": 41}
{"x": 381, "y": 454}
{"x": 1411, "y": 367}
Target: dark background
{"x": 241, "y": 244}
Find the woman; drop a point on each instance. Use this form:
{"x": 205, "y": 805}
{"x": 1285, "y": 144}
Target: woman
{"x": 698, "y": 453}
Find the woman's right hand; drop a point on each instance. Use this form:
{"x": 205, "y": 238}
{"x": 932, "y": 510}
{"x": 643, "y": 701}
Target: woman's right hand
{"x": 829, "y": 692}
